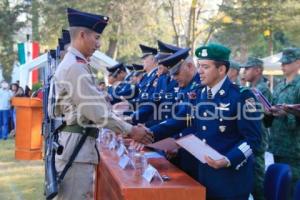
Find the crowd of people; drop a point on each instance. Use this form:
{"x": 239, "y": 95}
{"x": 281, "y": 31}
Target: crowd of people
{"x": 7, "y": 111}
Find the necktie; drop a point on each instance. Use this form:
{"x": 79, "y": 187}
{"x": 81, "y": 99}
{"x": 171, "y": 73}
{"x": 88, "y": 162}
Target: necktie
{"x": 209, "y": 94}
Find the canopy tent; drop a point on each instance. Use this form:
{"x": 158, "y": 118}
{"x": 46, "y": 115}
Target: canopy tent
{"x": 98, "y": 61}
{"x": 271, "y": 65}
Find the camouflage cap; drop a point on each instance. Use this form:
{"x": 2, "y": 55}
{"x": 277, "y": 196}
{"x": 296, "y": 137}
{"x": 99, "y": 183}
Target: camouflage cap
{"x": 235, "y": 65}
{"x": 290, "y": 55}
{"x": 253, "y": 62}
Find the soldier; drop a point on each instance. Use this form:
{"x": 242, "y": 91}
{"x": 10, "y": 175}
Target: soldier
{"x": 164, "y": 92}
{"x": 121, "y": 90}
{"x": 83, "y": 107}
{"x": 253, "y": 74}
{"x": 285, "y": 129}
{"x": 147, "y": 85}
{"x": 234, "y": 137}
{"x": 233, "y": 72}
{"x": 138, "y": 72}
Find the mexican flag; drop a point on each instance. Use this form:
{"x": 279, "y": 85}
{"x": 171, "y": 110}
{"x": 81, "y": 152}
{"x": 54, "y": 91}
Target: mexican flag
{"x": 26, "y": 52}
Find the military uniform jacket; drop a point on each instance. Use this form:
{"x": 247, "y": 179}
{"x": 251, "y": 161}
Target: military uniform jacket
{"x": 176, "y": 124}
{"x": 79, "y": 101}
{"x": 285, "y": 130}
{"x": 146, "y": 89}
{"x": 262, "y": 86}
{"x": 233, "y": 134}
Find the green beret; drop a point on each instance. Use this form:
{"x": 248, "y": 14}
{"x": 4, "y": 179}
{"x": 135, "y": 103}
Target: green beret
{"x": 253, "y": 62}
{"x": 216, "y": 52}
{"x": 290, "y": 55}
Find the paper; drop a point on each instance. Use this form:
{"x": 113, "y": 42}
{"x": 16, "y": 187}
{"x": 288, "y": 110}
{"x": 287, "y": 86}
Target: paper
{"x": 150, "y": 173}
{"x": 262, "y": 99}
{"x": 166, "y": 145}
{"x": 198, "y": 148}
{"x": 124, "y": 161}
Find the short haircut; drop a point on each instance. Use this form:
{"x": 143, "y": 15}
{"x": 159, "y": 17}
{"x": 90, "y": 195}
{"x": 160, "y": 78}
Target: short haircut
{"x": 220, "y": 63}
{"x": 74, "y": 31}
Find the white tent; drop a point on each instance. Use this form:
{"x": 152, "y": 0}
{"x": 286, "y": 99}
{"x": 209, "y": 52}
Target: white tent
{"x": 271, "y": 64}
{"x": 99, "y": 61}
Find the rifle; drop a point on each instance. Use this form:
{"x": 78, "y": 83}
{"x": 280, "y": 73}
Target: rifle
{"x": 51, "y": 127}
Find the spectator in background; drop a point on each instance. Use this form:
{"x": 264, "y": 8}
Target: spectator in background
{"x": 27, "y": 91}
{"x": 5, "y": 98}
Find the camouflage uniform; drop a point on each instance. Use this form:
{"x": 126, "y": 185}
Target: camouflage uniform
{"x": 260, "y": 161}
{"x": 285, "y": 131}
{"x": 262, "y": 86}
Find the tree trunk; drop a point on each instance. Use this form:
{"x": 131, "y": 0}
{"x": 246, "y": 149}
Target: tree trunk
{"x": 191, "y": 26}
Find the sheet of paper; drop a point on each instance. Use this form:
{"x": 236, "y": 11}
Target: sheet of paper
{"x": 168, "y": 144}
{"x": 198, "y": 148}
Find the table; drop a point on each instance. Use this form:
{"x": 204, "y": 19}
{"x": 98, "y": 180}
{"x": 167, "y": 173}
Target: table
{"x": 114, "y": 183}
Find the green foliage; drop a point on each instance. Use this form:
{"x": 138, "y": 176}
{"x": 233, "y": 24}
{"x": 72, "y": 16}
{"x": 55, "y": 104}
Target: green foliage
{"x": 10, "y": 25}
{"x": 36, "y": 86}
{"x": 258, "y": 27}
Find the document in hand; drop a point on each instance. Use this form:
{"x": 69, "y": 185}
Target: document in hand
{"x": 198, "y": 148}
{"x": 295, "y": 107}
{"x": 262, "y": 99}
{"x": 166, "y": 145}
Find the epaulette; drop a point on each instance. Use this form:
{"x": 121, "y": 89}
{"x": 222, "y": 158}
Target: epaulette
{"x": 80, "y": 60}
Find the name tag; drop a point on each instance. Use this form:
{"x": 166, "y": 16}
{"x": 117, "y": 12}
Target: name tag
{"x": 150, "y": 173}
{"x": 112, "y": 145}
{"x": 121, "y": 150}
{"x": 124, "y": 161}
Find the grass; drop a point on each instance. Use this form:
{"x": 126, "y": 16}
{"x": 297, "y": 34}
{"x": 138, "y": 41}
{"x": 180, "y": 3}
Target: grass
{"x": 19, "y": 180}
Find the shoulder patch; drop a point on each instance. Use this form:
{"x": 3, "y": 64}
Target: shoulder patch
{"x": 80, "y": 60}
{"x": 250, "y": 104}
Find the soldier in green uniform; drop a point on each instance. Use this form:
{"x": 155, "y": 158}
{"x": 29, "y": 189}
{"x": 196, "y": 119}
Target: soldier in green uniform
{"x": 253, "y": 74}
{"x": 285, "y": 130}
{"x": 233, "y": 72}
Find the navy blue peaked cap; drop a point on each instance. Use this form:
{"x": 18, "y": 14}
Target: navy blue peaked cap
{"x": 138, "y": 67}
{"x": 66, "y": 36}
{"x": 61, "y": 44}
{"x": 165, "y": 50}
{"x": 147, "y": 50}
{"x": 174, "y": 61}
{"x": 94, "y": 22}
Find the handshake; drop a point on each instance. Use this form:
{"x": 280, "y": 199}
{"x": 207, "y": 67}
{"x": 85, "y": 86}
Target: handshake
{"x": 141, "y": 134}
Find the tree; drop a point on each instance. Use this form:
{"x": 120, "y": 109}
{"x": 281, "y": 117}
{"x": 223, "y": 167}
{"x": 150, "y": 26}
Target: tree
{"x": 192, "y": 21}
{"x": 257, "y": 27}
{"x": 10, "y": 25}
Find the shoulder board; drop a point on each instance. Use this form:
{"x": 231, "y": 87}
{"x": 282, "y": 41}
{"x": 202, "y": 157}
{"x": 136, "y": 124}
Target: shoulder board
{"x": 80, "y": 60}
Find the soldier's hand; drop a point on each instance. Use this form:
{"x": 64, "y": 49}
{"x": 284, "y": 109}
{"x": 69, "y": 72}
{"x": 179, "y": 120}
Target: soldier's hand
{"x": 216, "y": 164}
{"x": 278, "y": 111}
{"x": 140, "y": 134}
{"x": 291, "y": 110}
{"x": 137, "y": 146}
